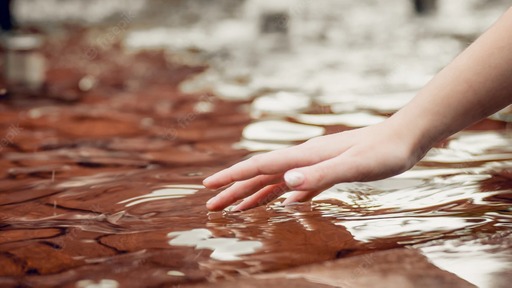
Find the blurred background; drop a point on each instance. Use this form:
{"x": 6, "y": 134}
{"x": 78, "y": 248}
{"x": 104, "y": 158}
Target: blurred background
{"x": 319, "y": 47}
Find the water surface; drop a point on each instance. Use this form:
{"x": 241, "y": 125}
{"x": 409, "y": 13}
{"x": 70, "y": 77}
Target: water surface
{"x": 104, "y": 186}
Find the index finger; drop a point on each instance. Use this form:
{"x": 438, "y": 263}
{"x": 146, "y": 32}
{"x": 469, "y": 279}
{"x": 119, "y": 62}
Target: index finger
{"x": 274, "y": 162}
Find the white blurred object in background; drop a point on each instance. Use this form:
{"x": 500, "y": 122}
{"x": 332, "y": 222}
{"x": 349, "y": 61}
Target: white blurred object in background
{"x": 24, "y": 62}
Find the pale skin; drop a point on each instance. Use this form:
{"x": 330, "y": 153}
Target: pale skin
{"x": 476, "y": 84}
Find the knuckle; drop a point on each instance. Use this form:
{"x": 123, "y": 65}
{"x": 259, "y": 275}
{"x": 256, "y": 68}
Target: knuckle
{"x": 327, "y": 176}
{"x": 361, "y": 171}
{"x": 256, "y": 160}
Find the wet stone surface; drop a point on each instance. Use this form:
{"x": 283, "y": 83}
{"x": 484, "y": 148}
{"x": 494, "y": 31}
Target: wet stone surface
{"x": 103, "y": 187}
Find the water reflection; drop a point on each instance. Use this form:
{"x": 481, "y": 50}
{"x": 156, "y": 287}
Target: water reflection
{"x": 280, "y": 131}
{"x": 359, "y": 119}
{"x": 259, "y": 145}
{"x": 411, "y": 229}
{"x": 382, "y": 103}
{"x": 103, "y": 283}
{"x": 224, "y": 249}
{"x": 167, "y": 192}
{"x": 283, "y": 103}
{"x": 472, "y": 147}
{"x": 479, "y": 260}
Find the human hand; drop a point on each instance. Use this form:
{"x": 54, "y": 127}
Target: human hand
{"x": 365, "y": 154}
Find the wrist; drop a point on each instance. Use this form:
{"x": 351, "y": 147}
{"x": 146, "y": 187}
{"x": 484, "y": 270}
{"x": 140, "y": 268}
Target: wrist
{"x": 413, "y": 134}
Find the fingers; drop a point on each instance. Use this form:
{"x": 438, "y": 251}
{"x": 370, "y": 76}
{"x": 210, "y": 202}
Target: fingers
{"x": 274, "y": 162}
{"x": 309, "y": 181}
{"x": 325, "y": 174}
{"x": 241, "y": 190}
{"x": 300, "y": 196}
{"x": 262, "y": 197}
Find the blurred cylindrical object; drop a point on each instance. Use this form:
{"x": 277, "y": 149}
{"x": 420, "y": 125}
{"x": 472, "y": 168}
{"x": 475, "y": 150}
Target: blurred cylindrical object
{"x": 6, "y": 21}
{"x": 25, "y": 65}
{"x": 425, "y": 7}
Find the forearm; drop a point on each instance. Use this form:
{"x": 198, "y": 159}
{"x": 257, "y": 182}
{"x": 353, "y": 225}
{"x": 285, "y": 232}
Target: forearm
{"x": 476, "y": 84}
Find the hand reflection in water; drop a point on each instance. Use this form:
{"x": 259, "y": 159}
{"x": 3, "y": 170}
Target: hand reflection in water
{"x": 475, "y": 85}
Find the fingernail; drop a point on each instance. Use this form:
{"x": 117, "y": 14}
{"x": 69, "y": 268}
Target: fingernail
{"x": 209, "y": 202}
{"x": 293, "y": 178}
{"x": 232, "y": 209}
{"x": 237, "y": 208}
{"x": 286, "y": 201}
{"x": 289, "y": 201}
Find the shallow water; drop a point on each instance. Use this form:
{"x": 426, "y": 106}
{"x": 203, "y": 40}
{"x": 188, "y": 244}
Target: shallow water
{"x": 106, "y": 189}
